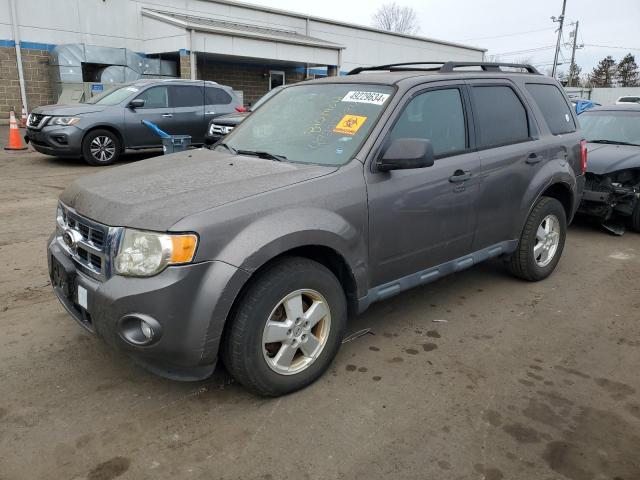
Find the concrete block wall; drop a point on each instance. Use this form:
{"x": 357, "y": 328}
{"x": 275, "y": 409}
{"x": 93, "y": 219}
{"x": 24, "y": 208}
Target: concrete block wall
{"x": 35, "y": 65}
{"x": 252, "y": 80}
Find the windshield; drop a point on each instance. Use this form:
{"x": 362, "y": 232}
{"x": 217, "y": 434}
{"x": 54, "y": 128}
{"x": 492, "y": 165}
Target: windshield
{"x": 314, "y": 123}
{"x": 113, "y": 96}
{"x": 619, "y": 127}
{"x": 265, "y": 97}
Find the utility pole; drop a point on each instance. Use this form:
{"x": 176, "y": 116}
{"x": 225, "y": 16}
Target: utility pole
{"x": 560, "y": 20}
{"x": 572, "y": 68}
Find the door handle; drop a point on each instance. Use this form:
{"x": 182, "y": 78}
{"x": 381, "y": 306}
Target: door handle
{"x": 167, "y": 115}
{"x": 460, "y": 176}
{"x": 534, "y": 158}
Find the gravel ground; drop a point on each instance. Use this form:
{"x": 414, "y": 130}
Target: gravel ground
{"x": 477, "y": 376}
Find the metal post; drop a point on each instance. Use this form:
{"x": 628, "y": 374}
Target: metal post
{"x": 555, "y": 58}
{"x": 16, "y": 40}
{"x": 572, "y": 68}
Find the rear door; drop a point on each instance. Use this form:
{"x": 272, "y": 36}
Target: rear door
{"x": 156, "y": 109}
{"x": 511, "y": 153}
{"x": 188, "y": 111}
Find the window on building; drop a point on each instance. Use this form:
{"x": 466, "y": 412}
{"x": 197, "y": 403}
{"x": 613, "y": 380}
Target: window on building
{"x": 155, "y": 97}
{"x": 187, "y": 96}
{"x": 276, "y": 79}
{"x": 217, "y": 96}
{"x": 501, "y": 119}
{"x": 553, "y": 106}
{"x": 438, "y": 116}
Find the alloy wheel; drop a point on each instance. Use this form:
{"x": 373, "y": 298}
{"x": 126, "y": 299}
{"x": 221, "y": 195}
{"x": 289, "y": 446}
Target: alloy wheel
{"x": 547, "y": 240}
{"x": 296, "y": 332}
{"x": 102, "y": 148}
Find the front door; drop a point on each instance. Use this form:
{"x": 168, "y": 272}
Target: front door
{"x": 156, "y": 110}
{"x": 420, "y": 218}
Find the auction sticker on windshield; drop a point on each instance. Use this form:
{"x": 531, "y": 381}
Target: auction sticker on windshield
{"x": 373, "y": 98}
{"x": 350, "y": 124}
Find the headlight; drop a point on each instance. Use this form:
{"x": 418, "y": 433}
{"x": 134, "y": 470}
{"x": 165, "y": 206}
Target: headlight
{"x": 65, "y": 121}
{"x": 143, "y": 254}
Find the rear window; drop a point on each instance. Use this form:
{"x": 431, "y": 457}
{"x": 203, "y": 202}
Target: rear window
{"x": 501, "y": 119}
{"x": 187, "y": 96}
{"x": 217, "y": 96}
{"x": 553, "y": 106}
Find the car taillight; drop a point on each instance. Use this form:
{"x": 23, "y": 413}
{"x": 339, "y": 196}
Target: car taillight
{"x": 241, "y": 109}
{"x": 583, "y": 156}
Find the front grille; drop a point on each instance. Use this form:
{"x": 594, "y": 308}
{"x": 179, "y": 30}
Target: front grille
{"x": 219, "y": 129}
{"x": 91, "y": 250}
{"x": 35, "y": 120}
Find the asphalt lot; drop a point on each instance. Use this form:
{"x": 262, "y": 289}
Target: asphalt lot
{"x": 522, "y": 381}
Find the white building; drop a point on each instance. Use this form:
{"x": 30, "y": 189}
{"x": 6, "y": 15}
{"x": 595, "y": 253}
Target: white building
{"x": 249, "y": 47}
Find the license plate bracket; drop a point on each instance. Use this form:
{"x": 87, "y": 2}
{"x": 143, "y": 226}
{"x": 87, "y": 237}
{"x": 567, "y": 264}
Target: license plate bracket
{"x": 62, "y": 278}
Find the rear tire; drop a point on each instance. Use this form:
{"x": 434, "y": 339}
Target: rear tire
{"x": 287, "y": 327}
{"x": 541, "y": 243}
{"x": 635, "y": 218}
{"x": 101, "y": 148}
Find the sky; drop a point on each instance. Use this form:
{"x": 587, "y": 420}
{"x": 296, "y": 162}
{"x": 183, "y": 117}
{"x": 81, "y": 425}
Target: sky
{"x": 511, "y": 29}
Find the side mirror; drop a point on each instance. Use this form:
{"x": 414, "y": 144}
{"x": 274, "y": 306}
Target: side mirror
{"x": 404, "y": 153}
{"x": 137, "y": 103}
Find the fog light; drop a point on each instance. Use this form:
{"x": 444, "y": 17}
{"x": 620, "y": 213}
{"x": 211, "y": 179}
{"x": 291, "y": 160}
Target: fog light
{"x": 146, "y": 329}
{"x": 139, "y": 329}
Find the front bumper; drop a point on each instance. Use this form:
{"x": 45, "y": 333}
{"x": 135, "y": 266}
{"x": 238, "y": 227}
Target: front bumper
{"x": 58, "y": 141}
{"x": 191, "y": 304}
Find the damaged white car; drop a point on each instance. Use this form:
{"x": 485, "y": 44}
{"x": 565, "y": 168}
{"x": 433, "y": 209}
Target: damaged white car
{"x": 612, "y": 190}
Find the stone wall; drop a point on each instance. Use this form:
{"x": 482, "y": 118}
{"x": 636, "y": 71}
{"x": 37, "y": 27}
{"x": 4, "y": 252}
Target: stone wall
{"x": 35, "y": 65}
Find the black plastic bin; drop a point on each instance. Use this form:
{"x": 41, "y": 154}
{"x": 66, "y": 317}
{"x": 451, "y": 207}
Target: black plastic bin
{"x": 176, "y": 143}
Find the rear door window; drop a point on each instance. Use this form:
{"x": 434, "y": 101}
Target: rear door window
{"x": 187, "y": 96}
{"x": 553, "y": 106}
{"x": 217, "y": 96}
{"x": 435, "y": 115}
{"x": 500, "y": 116}
{"x": 155, "y": 97}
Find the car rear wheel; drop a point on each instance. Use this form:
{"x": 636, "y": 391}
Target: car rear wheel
{"x": 635, "y": 218}
{"x": 542, "y": 241}
{"x": 101, "y": 147}
{"x": 287, "y": 327}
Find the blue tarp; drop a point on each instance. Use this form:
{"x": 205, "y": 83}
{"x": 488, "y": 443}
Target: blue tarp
{"x": 156, "y": 129}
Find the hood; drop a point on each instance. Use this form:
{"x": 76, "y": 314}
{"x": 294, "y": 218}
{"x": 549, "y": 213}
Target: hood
{"x": 156, "y": 193}
{"x": 230, "y": 119}
{"x": 69, "y": 110}
{"x": 603, "y": 159}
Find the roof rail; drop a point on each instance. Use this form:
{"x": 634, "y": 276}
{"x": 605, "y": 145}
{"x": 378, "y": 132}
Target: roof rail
{"x": 444, "y": 67}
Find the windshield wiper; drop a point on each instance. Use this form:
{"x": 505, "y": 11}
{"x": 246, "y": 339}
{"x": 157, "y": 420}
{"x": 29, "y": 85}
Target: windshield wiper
{"x": 262, "y": 154}
{"x": 613, "y": 142}
{"x": 228, "y": 147}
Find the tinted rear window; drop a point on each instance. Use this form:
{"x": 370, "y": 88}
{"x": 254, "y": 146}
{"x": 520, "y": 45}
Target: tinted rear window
{"x": 217, "y": 96}
{"x": 187, "y": 96}
{"x": 501, "y": 119}
{"x": 553, "y": 106}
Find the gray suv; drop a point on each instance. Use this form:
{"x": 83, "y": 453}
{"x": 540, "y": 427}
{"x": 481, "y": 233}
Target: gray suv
{"x": 102, "y": 128}
{"x": 335, "y": 194}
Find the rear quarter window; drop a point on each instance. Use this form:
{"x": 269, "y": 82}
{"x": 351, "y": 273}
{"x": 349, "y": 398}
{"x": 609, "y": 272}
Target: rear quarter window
{"x": 553, "y": 106}
{"x": 217, "y": 96}
{"x": 500, "y": 116}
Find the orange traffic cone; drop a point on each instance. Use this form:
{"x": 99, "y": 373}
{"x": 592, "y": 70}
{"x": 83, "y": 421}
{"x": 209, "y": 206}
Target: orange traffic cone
{"x": 15, "y": 140}
{"x": 23, "y": 119}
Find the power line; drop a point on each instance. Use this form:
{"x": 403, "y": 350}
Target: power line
{"x": 531, "y": 50}
{"x": 507, "y": 35}
{"x": 609, "y": 46}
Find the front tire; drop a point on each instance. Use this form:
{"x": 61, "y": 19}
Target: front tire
{"x": 541, "y": 243}
{"x": 101, "y": 148}
{"x": 287, "y": 327}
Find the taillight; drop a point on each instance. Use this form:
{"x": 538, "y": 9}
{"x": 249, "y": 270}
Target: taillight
{"x": 583, "y": 156}
{"x": 241, "y": 109}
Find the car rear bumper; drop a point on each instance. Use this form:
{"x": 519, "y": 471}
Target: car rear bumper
{"x": 56, "y": 141}
{"x": 187, "y": 305}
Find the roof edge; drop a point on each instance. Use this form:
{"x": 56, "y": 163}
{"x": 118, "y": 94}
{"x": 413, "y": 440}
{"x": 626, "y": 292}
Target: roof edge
{"x": 252, "y": 6}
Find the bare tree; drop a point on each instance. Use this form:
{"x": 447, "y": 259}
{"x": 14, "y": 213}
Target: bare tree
{"x": 394, "y": 18}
